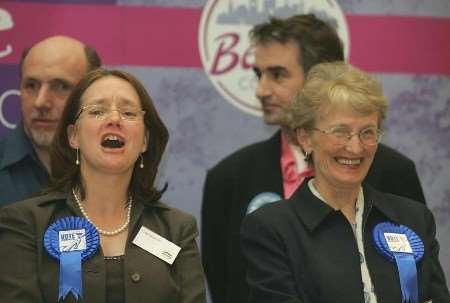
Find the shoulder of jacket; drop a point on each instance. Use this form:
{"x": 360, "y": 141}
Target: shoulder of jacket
{"x": 388, "y": 153}
{"x": 245, "y": 154}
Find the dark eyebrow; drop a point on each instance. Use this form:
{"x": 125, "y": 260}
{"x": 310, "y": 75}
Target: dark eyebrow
{"x": 64, "y": 81}
{"x": 256, "y": 70}
{"x": 103, "y": 101}
{"x": 30, "y": 79}
{"x": 276, "y": 68}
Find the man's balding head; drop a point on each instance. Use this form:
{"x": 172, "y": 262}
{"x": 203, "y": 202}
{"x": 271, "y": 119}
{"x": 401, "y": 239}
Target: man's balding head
{"x": 49, "y": 71}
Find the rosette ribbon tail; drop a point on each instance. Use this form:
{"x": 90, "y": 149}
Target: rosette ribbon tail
{"x": 407, "y": 272}
{"x": 403, "y": 247}
{"x": 70, "y": 275}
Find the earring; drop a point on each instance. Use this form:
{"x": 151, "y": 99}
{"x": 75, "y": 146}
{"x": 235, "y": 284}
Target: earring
{"x": 307, "y": 156}
{"x": 142, "y": 162}
{"x": 77, "y": 161}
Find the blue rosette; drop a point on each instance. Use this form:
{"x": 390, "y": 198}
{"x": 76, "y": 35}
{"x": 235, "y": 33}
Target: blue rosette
{"x": 262, "y": 199}
{"x": 402, "y": 246}
{"x": 71, "y": 240}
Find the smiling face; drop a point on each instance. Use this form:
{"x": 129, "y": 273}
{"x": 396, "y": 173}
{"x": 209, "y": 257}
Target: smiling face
{"x": 109, "y": 141}
{"x": 279, "y": 75}
{"x": 339, "y": 166}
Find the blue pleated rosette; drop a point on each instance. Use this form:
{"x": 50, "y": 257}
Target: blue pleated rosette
{"x": 404, "y": 257}
{"x": 262, "y": 199}
{"x": 71, "y": 240}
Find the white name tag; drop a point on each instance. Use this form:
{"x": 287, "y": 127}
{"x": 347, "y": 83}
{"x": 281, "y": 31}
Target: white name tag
{"x": 398, "y": 243}
{"x": 156, "y": 245}
{"x": 72, "y": 240}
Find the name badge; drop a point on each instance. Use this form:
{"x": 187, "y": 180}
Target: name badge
{"x": 156, "y": 245}
{"x": 398, "y": 243}
{"x": 72, "y": 240}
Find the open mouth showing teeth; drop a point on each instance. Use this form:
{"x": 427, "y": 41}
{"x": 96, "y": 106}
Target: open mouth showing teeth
{"x": 349, "y": 162}
{"x": 112, "y": 142}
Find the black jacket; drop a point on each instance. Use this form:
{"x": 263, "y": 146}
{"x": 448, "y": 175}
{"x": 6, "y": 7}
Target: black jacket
{"x": 302, "y": 250}
{"x": 233, "y": 182}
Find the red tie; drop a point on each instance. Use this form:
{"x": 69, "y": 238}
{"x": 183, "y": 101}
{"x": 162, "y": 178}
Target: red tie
{"x": 292, "y": 179}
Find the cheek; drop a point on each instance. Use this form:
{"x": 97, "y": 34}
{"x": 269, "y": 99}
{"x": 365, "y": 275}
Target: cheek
{"x": 138, "y": 133}
{"x": 59, "y": 105}
{"x": 371, "y": 154}
{"x": 324, "y": 155}
{"x": 87, "y": 134}
{"x": 289, "y": 92}
{"x": 26, "y": 103}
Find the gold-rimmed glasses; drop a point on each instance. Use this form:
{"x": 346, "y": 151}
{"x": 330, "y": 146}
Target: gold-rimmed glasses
{"x": 369, "y": 136}
{"x": 100, "y": 112}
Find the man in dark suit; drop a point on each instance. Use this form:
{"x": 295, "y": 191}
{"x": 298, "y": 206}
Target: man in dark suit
{"x": 284, "y": 51}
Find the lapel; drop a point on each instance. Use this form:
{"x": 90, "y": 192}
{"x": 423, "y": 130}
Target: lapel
{"x": 267, "y": 158}
{"x": 257, "y": 171}
{"x": 313, "y": 212}
{"x": 379, "y": 208}
{"x": 274, "y": 157}
{"x": 149, "y": 267}
{"x": 308, "y": 208}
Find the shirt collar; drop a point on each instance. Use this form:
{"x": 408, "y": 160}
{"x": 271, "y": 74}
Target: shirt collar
{"x": 291, "y": 154}
{"x": 312, "y": 211}
{"x": 17, "y": 146}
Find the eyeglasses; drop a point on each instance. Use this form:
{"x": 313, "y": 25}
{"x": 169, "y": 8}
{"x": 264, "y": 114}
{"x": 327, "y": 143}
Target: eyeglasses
{"x": 341, "y": 135}
{"x": 100, "y": 112}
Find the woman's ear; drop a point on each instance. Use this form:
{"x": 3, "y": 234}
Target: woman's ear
{"x": 72, "y": 135}
{"x": 304, "y": 140}
{"x": 145, "y": 143}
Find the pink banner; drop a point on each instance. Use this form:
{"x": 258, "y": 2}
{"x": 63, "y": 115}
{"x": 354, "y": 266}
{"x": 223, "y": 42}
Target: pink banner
{"x": 123, "y": 35}
{"x": 398, "y": 44}
{"x": 150, "y": 36}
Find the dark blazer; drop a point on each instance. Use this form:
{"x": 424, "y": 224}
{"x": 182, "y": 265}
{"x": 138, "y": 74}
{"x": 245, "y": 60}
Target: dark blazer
{"x": 302, "y": 250}
{"x": 233, "y": 182}
{"x": 29, "y": 274}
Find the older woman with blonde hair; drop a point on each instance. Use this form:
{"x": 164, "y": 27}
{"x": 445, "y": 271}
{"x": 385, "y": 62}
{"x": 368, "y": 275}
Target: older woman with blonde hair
{"x": 337, "y": 239}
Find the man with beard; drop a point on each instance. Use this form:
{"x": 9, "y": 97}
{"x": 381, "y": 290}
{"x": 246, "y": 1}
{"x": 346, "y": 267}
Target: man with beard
{"x": 267, "y": 171}
{"x": 48, "y": 72}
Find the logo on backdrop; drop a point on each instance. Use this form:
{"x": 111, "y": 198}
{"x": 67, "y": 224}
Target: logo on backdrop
{"x": 3, "y": 97}
{"x": 6, "y": 23}
{"x": 225, "y": 47}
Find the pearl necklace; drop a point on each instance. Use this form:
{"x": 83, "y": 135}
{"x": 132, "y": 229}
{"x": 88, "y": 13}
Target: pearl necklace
{"x": 102, "y": 231}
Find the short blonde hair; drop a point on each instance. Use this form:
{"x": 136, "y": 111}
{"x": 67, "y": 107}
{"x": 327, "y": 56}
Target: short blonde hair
{"x": 336, "y": 83}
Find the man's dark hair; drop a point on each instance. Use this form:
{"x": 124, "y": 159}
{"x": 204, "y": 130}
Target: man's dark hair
{"x": 317, "y": 41}
{"x": 92, "y": 58}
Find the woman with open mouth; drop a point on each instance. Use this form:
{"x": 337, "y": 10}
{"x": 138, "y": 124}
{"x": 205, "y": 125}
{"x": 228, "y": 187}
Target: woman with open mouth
{"x": 99, "y": 233}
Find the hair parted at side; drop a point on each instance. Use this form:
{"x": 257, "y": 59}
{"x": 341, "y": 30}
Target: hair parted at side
{"x": 66, "y": 175}
{"x": 317, "y": 41}
{"x": 340, "y": 84}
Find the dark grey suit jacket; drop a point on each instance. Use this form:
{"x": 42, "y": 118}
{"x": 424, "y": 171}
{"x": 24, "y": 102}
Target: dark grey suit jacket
{"x": 234, "y": 181}
{"x": 303, "y": 251}
{"x": 29, "y": 275}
